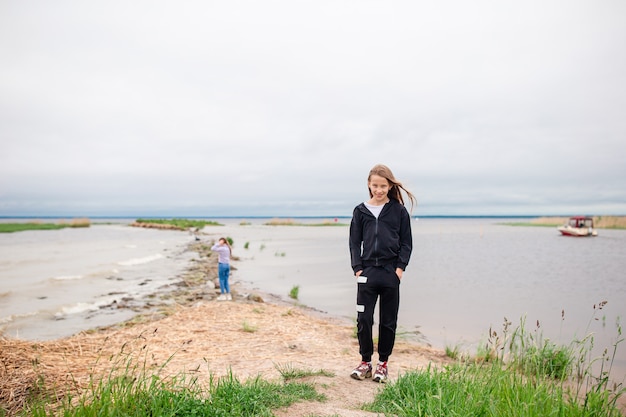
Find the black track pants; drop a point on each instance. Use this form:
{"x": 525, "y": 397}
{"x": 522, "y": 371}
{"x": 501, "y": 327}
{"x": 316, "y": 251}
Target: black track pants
{"x": 377, "y": 282}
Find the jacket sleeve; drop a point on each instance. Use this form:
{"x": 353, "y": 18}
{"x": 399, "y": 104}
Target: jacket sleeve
{"x": 406, "y": 240}
{"x": 356, "y": 239}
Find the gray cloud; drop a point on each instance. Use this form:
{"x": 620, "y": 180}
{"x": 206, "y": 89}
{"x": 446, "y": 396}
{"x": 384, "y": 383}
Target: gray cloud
{"x": 281, "y": 108}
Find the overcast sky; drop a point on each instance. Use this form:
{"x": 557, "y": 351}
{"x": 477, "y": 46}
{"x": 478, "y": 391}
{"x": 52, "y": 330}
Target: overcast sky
{"x": 280, "y": 108}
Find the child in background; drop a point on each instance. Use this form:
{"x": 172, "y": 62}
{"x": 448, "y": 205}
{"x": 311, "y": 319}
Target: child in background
{"x": 380, "y": 247}
{"x": 224, "y": 252}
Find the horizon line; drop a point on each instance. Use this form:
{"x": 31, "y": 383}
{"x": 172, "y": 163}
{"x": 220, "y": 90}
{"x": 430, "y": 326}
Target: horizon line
{"x": 287, "y": 216}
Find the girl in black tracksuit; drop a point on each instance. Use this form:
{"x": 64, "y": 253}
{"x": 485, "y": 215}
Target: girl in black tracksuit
{"x": 380, "y": 248}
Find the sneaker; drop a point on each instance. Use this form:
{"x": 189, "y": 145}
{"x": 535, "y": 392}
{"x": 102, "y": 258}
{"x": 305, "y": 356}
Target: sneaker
{"x": 364, "y": 370}
{"x": 381, "y": 375}
{"x": 229, "y": 297}
{"x": 221, "y": 297}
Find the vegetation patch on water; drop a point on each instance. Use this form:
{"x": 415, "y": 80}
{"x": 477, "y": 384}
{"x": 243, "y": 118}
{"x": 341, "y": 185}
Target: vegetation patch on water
{"x": 292, "y": 222}
{"x": 174, "y": 224}
{"x": 38, "y": 225}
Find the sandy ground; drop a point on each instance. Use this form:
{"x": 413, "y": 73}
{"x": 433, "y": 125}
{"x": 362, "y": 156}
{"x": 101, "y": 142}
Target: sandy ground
{"x": 254, "y": 335}
{"x": 210, "y": 339}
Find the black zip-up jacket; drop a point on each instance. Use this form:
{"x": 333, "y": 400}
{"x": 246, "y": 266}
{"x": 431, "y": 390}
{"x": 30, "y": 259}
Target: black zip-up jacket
{"x": 383, "y": 241}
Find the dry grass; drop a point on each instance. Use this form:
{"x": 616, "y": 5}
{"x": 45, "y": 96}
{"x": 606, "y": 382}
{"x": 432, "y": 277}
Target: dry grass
{"x": 206, "y": 340}
{"x": 77, "y": 222}
{"x": 610, "y": 222}
{"x": 281, "y": 222}
{"x": 550, "y": 221}
{"x": 600, "y": 222}
{"x": 292, "y": 222}
{"x": 163, "y": 226}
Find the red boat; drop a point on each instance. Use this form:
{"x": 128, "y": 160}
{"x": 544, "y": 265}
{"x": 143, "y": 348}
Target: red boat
{"x": 578, "y": 226}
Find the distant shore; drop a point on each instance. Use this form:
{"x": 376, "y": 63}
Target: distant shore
{"x": 599, "y": 222}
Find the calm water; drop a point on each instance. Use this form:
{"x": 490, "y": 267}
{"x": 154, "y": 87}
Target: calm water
{"x": 465, "y": 276}
{"x": 55, "y": 283}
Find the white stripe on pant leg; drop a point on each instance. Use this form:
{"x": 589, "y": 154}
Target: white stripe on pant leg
{"x": 360, "y": 308}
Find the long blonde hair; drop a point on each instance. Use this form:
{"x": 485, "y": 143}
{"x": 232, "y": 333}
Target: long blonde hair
{"x": 394, "y": 191}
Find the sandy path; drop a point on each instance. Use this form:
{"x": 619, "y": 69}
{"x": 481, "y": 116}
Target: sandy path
{"x": 207, "y": 340}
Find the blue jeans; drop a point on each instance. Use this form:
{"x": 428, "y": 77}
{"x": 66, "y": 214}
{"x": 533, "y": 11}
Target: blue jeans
{"x": 223, "y": 273}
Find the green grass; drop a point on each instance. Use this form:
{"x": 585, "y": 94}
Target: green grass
{"x": 182, "y": 223}
{"x": 130, "y": 389}
{"x": 248, "y": 328}
{"x": 180, "y": 396}
{"x": 518, "y": 373}
{"x": 515, "y": 373}
{"x": 20, "y": 227}
{"x": 288, "y": 372}
{"x": 453, "y": 352}
{"x": 474, "y": 390}
{"x": 294, "y": 292}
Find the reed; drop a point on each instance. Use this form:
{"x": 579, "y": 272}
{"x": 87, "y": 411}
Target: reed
{"x": 517, "y": 372}
{"x": 599, "y": 222}
{"x": 77, "y": 222}
{"x": 610, "y": 222}
{"x": 281, "y": 222}
{"x": 291, "y": 222}
{"x": 175, "y": 224}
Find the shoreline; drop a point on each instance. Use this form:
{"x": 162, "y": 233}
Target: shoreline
{"x": 249, "y": 337}
{"x": 185, "y": 331}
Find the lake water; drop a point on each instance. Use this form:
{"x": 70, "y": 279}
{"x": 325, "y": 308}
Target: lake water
{"x": 54, "y": 283}
{"x": 465, "y": 276}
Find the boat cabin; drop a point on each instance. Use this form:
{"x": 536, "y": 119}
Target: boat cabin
{"x": 580, "y": 221}
{"x": 578, "y": 226}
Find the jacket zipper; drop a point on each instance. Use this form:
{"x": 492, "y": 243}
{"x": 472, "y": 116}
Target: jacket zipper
{"x": 376, "y": 241}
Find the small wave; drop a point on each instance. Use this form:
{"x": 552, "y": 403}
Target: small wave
{"x": 12, "y": 317}
{"x": 76, "y": 309}
{"x": 67, "y": 277}
{"x": 139, "y": 261}
{"x": 80, "y": 308}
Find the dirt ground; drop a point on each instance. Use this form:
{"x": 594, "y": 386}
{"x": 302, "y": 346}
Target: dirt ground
{"x": 256, "y": 334}
{"x": 210, "y": 339}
